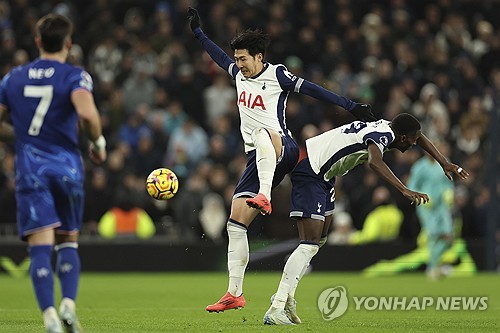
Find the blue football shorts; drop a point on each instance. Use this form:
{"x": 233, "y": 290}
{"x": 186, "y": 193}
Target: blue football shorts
{"x": 248, "y": 185}
{"x": 49, "y": 191}
{"x": 312, "y": 197}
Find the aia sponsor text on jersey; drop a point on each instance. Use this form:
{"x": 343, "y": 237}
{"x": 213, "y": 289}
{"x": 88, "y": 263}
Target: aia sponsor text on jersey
{"x": 249, "y": 101}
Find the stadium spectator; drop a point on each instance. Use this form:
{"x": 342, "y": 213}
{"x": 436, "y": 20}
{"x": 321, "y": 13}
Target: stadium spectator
{"x": 188, "y": 201}
{"x": 7, "y": 185}
{"x": 382, "y": 223}
{"x": 174, "y": 117}
{"x": 213, "y": 216}
{"x": 187, "y": 147}
{"x": 431, "y": 111}
{"x": 125, "y": 221}
{"x": 139, "y": 88}
{"x": 106, "y": 58}
{"x": 218, "y": 98}
{"x": 98, "y": 199}
{"x": 342, "y": 229}
{"x": 136, "y": 127}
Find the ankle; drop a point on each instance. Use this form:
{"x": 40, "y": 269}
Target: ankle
{"x": 68, "y": 303}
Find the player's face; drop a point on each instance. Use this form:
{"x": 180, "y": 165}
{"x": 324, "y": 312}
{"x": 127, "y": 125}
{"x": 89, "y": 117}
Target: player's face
{"x": 405, "y": 142}
{"x": 249, "y": 65}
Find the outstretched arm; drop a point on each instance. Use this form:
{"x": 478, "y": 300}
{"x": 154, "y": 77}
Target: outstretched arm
{"x": 214, "y": 51}
{"x": 377, "y": 164}
{"x": 318, "y": 92}
{"x": 290, "y": 82}
{"x": 448, "y": 167}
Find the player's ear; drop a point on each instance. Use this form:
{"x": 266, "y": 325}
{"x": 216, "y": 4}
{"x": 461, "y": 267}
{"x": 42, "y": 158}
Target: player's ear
{"x": 38, "y": 42}
{"x": 260, "y": 57}
{"x": 68, "y": 43}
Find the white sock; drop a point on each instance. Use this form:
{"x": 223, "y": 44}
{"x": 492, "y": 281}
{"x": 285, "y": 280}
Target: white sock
{"x": 266, "y": 160}
{"x": 291, "y": 293}
{"x": 237, "y": 257}
{"x": 322, "y": 242}
{"x": 295, "y": 265}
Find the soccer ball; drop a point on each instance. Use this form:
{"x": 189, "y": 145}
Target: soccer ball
{"x": 162, "y": 184}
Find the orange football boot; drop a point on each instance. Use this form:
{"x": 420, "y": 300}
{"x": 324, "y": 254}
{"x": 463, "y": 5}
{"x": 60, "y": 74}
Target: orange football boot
{"x": 227, "y": 302}
{"x": 260, "y": 202}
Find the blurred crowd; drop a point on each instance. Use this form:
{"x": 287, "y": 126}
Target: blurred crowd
{"x": 165, "y": 103}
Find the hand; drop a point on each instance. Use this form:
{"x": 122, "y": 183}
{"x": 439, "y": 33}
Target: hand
{"x": 97, "y": 156}
{"x": 97, "y": 150}
{"x": 450, "y": 169}
{"x": 416, "y": 197}
{"x": 363, "y": 112}
{"x": 194, "y": 18}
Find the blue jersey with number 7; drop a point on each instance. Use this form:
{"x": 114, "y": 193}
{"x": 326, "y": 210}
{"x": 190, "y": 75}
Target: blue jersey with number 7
{"x": 38, "y": 98}
{"x": 49, "y": 170}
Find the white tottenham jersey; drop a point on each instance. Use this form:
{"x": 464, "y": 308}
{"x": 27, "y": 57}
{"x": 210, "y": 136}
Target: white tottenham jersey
{"x": 262, "y": 101}
{"x": 339, "y": 150}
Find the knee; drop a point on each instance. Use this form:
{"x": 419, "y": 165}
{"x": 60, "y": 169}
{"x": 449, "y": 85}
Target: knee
{"x": 309, "y": 248}
{"x": 258, "y": 132}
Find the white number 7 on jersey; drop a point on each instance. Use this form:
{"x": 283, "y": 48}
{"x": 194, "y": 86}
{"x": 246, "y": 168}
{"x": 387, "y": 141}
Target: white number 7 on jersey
{"x": 45, "y": 94}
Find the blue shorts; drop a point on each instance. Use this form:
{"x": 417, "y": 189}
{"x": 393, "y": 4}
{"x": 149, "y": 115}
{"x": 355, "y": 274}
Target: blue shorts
{"x": 248, "y": 186}
{"x": 49, "y": 191}
{"x": 312, "y": 197}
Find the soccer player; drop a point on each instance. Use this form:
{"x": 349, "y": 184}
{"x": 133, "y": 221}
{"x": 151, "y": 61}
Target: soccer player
{"x": 262, "y": 90}
{"x": 335, "y": 153}
{"x": 46, "y": 100}
{"x": 436, "y": 217}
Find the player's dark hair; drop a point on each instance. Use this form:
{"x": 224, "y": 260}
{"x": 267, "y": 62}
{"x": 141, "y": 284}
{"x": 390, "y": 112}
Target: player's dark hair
{"x": 405, "y": 124}
{"x": 255, "y": 41}
{"x": 53, "y": 30}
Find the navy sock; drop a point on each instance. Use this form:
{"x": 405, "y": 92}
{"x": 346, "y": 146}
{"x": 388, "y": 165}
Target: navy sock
{"x": 68, "y": 269}
{"x": 41, "y": 275}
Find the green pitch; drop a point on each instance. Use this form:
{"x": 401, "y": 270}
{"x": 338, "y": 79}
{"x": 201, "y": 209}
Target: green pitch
{"x": 176, "y": 302}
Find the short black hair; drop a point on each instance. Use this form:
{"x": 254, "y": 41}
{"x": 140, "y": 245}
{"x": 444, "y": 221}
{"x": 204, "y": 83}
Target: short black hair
{"x": 405, "y": 124}
{"x": 255, "y": 41}
{"x": 53, "y": 30}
